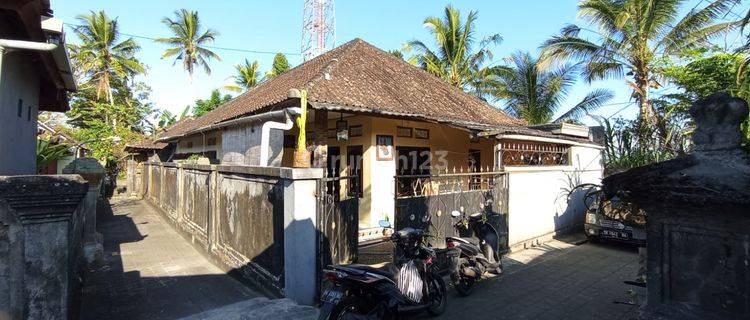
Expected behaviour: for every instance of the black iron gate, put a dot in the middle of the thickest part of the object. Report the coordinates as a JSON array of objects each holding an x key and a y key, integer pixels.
[
  {"x": 426, "y": 201},
  {"x": 338, "y": 220}
]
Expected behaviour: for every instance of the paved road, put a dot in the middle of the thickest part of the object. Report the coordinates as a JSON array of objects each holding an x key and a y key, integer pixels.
[
  {"x": 150, "y": 272},
  {"x": 555, "y": 281}
]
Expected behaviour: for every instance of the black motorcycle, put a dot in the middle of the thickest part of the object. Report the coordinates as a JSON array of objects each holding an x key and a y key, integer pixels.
[
  {"x": 365, "y": 292},
  {"x": 475, "y": 258}
]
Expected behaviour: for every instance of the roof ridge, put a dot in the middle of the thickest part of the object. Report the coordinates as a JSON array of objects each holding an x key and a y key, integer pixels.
[{"x": 331, "y": 64}]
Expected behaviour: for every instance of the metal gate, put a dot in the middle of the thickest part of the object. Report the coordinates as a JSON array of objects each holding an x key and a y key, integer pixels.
[
  {"x": 338, "y": 220},
  {"x": 426, "y": 202}
]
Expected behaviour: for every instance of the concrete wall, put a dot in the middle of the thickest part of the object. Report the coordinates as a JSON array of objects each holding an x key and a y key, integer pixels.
[
  {"x": 41, "y": 252},
  {"x": 240, "y": 145},
  {"x": 199, "y": 143},
  {"x": 20, "y": 86},
  {"x": 538, "y": 201},
  {"x": 256, "y": 221}
]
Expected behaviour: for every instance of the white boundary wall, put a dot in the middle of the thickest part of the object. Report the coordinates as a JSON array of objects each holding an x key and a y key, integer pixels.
[{"x": 538, "y": 197}]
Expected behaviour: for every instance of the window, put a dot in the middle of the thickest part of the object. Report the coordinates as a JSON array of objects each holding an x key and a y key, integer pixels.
[
  {"x": 28, "y": 113},
  {"x": 403, "y": 132},
  {"x": 211, "y": 141},
  {"x": 20, "y": 107},
  {"x": 421, "y": 133},
  {"x": 189, "y": 144},
  {"x": 355, "y": 131},
  {"x": 532, "y": 153},
  {"x": 354, "y": 166}
]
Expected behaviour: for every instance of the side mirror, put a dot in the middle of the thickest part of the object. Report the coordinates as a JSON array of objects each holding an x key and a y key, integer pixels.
[
  {"x": 455, "y": 214},
  {"x": 384, "y": 223}
]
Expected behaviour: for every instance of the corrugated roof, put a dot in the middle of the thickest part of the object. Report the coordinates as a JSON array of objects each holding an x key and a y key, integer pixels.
[{"x": 361, "y": 77}]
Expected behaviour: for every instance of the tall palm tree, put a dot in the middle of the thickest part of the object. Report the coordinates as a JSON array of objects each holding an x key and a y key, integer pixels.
[
  {"x": 535, "y": 92},
  {"x": 247, "y": 77},
  {"x": 100, "y": 59},
  {"x": 454, "y": 59},
  {"x": 630, "y": 35},
  {"x": 188, "y": 41}
]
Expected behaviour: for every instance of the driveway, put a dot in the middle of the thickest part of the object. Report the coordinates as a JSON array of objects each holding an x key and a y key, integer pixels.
[{"x": 558, "y": 280}]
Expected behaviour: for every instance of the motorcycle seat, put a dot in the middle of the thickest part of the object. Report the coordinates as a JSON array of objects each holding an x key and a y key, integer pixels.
[
  {"x": 463, "y": 240},
  {"x": 380, "y": 269}
]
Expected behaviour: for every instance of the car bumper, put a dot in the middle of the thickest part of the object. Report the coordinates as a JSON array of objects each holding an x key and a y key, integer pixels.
[{"x": 637, "y": 237}]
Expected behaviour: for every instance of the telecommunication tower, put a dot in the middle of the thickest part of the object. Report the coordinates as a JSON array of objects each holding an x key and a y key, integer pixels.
[{"x": 318, "y": 28}]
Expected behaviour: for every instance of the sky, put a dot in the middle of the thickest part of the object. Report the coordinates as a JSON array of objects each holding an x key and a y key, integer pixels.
[{"x": 276, "y": 26}]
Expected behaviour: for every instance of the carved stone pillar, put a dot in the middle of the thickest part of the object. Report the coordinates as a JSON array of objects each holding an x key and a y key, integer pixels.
[
  {"x": 698, "y": 211},
  {"x": 93, "y": 172},
  {"x": 40, "y": 246},
  {"x": 320, "y": 154}
]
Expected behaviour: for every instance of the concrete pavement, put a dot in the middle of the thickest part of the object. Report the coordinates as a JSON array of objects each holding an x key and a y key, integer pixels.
[{"x": 150, "y": 272}]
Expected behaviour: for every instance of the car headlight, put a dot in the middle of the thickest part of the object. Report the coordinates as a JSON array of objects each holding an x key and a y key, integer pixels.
[{"x": 591, "y": 218}]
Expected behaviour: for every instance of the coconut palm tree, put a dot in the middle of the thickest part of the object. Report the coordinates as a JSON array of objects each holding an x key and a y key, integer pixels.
[
  {"x": 535, "y": 92},
  {"x": 454, "y": 59},
  {"x": 629, "y": 35},
  {"x": 100, "y": 59},
  {"x": 247, "y": 77},
  {"x": 188, "y": 41}
]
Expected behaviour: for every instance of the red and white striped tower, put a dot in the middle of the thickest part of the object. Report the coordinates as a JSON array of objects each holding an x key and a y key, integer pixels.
[{"x": 318, "y": 28}]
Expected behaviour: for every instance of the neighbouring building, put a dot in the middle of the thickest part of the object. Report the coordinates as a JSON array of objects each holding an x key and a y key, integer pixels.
[
  {"x": 35, "y": 75},
  {"x": 75, "y": 149},
  {"x": 401, "y": 143}
]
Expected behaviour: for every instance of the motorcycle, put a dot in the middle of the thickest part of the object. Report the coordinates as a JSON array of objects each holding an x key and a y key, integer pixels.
[
  {"x": 475, "y": 258},
  {"x": 365, "y": 292}
]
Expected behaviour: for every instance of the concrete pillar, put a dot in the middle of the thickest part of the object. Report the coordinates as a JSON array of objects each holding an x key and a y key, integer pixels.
[
  {"x": 93, "y": 172},
  {"x": 40, "y": 245},
  {"x": 301, "y": 235},
  {"x": 320, "y": 154}
]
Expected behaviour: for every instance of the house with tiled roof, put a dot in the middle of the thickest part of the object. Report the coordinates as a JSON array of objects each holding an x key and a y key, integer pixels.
[{"x": 388, "y": 133}]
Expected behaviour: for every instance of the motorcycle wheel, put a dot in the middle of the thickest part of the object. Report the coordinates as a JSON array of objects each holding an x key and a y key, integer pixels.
[
  {"x": 463, "y": 286},
  {"x": 349, "y": 305},
  {"x": 438, "y": 296}
]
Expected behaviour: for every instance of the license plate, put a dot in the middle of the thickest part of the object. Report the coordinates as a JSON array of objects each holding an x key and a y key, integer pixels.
[
  {"x": 331, "y": 296},
  {"x": 616, "y": 234}
]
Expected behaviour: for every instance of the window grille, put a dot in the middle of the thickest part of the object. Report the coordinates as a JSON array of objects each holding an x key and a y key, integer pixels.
[{"x": 533, "y": 153}]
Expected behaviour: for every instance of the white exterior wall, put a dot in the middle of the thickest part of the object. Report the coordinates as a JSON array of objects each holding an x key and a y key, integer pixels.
[
  {"x": 537, "y": 198},
  {"x": 20, "y": 82},
  {"x": 241, "y": 145}
]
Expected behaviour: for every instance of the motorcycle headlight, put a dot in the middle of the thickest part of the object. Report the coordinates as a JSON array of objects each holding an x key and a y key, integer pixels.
[{"x": 591, "y": 218}]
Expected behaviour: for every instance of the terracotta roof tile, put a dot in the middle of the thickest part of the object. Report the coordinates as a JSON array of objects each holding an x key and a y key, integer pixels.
[{"x": 361, "y": 77}]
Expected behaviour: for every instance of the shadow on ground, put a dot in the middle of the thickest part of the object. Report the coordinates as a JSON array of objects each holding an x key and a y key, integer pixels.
[
  {"x": 556, "y": 280},
  {"x": 148, "y": 272}
]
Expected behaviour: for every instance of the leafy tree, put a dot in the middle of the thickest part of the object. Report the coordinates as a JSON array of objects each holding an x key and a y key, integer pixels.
[
  {"x": 109, "y": 109},
  {"x": 535, "y": 93},
  {"x": 247, "y": 77},
  {"x": 214, "y": 101},
  {"x": 630, "y": 35},
  {"x": 454, "y": 58},
  {"x": 279, "y": 66},
  {"x": 188, "y": 41},
  {"x": 100, "y": 59},
  {"x": 166, "y": 119},
  {"x": 710, "y": 70}
]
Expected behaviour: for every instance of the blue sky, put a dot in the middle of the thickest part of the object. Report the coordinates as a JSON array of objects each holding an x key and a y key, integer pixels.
[{"x": 276, "y": 26}]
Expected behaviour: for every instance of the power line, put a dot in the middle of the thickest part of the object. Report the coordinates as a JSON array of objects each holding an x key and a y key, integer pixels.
[{"x": 210, "y": 47}]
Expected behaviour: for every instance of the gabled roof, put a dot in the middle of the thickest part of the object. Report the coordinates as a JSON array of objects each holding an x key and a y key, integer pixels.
[{"x": 359, "y": 77}]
